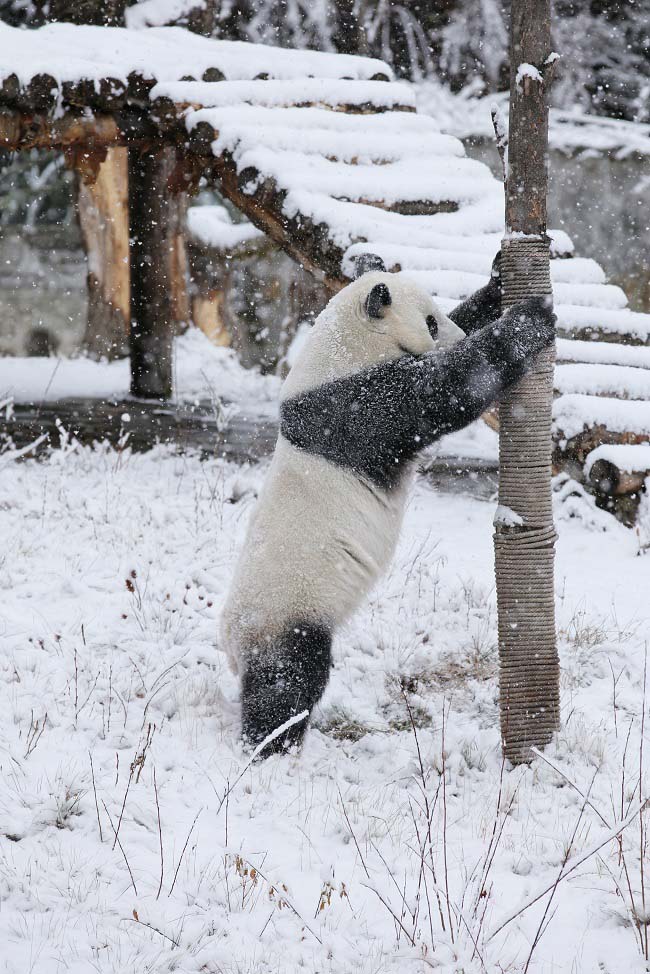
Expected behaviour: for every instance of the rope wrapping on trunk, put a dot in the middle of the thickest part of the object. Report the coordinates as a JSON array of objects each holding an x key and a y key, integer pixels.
[{"x": 524, "y": 553}]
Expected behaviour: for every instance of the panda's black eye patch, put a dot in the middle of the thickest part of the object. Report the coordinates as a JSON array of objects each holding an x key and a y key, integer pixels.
[
  {"x": 378, "y": 299},
  {"x": 432, "y": 325}
]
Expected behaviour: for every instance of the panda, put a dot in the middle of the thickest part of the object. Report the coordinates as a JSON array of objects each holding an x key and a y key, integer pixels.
[{"x": 382, "y": 375}]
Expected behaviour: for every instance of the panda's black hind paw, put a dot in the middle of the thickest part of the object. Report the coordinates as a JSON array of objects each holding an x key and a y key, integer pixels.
[
  {"x": 287, "y": 742},
  {"x": 281, "y": 682}
]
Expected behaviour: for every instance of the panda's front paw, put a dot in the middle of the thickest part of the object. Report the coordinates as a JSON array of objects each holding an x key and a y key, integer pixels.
[{"x": 534, "y": 322}]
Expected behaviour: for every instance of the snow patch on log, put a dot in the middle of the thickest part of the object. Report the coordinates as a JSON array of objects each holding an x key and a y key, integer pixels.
[
  {"x": 158, "y": 13},
  {"x": 213, "y": 227},
  {"x": 627, "y": 457}
]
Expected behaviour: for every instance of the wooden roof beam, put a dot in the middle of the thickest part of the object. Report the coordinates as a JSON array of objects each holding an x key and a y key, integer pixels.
[{"x": 21, "y": 131}]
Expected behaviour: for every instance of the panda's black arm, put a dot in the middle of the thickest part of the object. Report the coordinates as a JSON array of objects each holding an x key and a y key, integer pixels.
[
  {"x": 375, "y": 421},
  {"x": 482, "y": 307},
  {"x": 461, "y": 383}
]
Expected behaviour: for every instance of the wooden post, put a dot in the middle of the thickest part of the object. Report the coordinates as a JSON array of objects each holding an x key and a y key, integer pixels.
[
  {"x": 103, "y": 217},
  {"x": 151, "y": 333},
  {"x": 525, "y": 535},
  {"x": 102, "y": 13},
  {"x": 350, "y": 34}
]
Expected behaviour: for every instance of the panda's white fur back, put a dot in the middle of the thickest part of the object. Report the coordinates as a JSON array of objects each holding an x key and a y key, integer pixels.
[{"x": 317, "y": 541}]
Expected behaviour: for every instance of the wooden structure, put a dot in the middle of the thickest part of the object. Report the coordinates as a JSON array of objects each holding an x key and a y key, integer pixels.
[{"x": 327, "y": 156}]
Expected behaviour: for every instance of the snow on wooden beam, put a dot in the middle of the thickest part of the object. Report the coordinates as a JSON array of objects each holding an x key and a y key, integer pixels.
[
  {"x": 575, "y": 412},
  {"x": 65, "y": 54},
  {"x": 613, "y": 381},
  {"x": 307, "y": 242},
  {"x": 212, "y": 228},
  {"x": 603, "y": 353},
  {"x": 345, "y": 95}
]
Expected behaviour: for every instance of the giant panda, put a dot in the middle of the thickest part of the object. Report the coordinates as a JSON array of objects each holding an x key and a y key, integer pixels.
[{"x": 382, "y": 374}]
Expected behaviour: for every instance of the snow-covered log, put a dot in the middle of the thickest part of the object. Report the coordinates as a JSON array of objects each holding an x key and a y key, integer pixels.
[
  {"x": 613, "y": 381},
  {"x": 581, "y": 423},
  {"x": 618, "y": 469}
]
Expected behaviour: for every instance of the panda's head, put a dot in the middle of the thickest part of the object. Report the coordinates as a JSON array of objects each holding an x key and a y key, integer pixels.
[{"x": 378, "y": 317}]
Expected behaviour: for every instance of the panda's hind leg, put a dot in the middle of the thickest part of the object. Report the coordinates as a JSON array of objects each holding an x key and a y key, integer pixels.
[{"x": 281, "y": 680}]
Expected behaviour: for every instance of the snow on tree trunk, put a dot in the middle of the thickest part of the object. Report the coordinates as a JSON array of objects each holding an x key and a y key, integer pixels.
[{"x": 525, "y": 540}]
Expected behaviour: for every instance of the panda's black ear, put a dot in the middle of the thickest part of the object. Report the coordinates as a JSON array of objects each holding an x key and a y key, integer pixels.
[
  {"x": 378, "y": 299},
  {"x": 365, "y": 263}
]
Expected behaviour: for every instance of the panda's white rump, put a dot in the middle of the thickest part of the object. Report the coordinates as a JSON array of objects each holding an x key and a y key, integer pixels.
[{"x": 317, "y": 541}]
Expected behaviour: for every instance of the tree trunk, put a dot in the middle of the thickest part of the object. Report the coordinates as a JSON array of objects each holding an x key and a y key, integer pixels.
[
  {"x": 525, "y": 535},
  {"x": 102, "y": 13},
  {"x": 153, "y": 238},
  {"x": 202, "y": 19},
  {"x": 349, "y": 35},
  {"x": 103, "y": 217}
]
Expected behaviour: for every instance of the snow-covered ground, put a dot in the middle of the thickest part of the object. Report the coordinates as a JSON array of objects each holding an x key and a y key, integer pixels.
[
  {"x": 201, "y": 371},
  {"x": 394, "y": 841}
]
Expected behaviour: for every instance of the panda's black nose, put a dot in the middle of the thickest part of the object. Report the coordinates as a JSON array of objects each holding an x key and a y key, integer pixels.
[{"x": 432, "y": 325}]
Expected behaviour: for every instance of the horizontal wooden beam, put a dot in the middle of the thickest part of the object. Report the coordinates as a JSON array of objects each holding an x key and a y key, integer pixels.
[
  {"x": 187, "y": 425},
  {"x": 75, "y": 130},
  {"x": 19, "y": 132},
  {"x": 195, "y": 427},
  {"x": 152, "y": 125},
  {"x": 590, "y": 333},
  {"x": 44, "y": 94}
]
